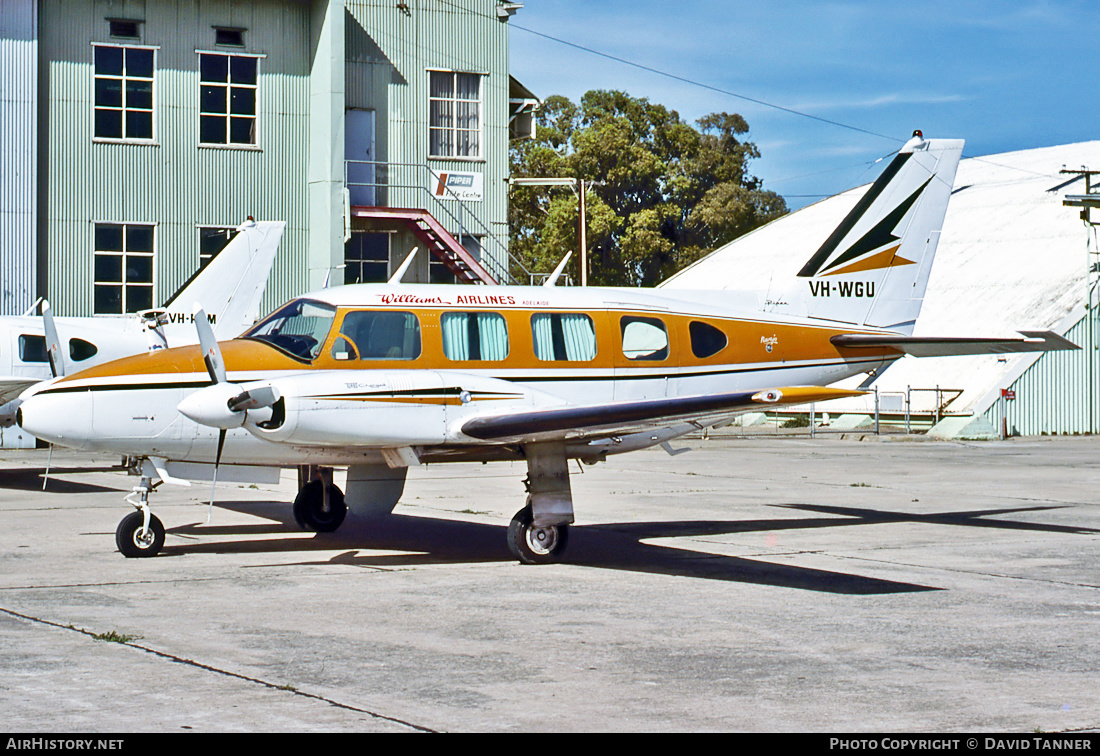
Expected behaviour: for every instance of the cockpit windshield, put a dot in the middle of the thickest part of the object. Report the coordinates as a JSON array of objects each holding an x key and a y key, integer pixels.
[{"x": 298, "y": 328}]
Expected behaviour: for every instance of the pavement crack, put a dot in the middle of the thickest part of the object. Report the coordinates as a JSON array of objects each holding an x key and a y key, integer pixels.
[{"x": 217, "y": 670}]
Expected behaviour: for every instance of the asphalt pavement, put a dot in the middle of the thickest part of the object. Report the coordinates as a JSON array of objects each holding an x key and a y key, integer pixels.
[{"x": 754, "y": 584}]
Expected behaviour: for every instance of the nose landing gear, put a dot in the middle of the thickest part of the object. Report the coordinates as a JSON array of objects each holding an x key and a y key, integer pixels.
[{"x": 140, "y": 534}]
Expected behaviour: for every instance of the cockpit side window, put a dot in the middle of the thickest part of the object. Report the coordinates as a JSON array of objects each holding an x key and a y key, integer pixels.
[
  {"x": 32, "y": 348},
  {"x": 298, "y": 328},
  {"x": 378, "y": 335}
]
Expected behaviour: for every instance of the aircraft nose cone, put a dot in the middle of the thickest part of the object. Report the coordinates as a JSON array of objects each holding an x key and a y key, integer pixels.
[{"x": 64, "y": 419}]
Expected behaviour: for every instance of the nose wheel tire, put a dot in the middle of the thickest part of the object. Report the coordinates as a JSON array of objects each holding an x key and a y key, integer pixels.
[
  {"x": 134, "y": 540},
  {"x": 309, "y": 508},
  {"x": 536, "y": 545}
]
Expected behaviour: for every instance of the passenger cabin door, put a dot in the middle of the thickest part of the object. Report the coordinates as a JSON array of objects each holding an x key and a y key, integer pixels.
[{"x": 644, "y": 356}]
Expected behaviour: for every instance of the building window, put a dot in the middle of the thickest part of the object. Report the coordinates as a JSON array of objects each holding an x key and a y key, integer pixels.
[
  {"x": 123, "y": 28},
  {"x": 227, "y": 98},
  {"x": 367, "y": 258},
  {"x": 454, "y": 127},
  {"x": 228, "y": 36},
  {"x": 212, "y": 241},
  {"x": 439, "y": 273},
  {"x": 123, "y": 268},
  {"x": 124, "y": 92}
]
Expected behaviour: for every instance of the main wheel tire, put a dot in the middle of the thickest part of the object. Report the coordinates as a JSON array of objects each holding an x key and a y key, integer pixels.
[
  {"x": 532, "y": 545},
  {"x": 309, "y": 508},
  {"x": 134, "y": 541}
]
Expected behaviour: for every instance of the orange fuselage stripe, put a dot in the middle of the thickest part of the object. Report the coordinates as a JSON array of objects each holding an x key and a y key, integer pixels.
[{"x": 748, "y": 342}]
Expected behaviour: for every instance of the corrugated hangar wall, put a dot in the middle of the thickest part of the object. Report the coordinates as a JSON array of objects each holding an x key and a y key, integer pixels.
[
  {"x": 18, "y": 105},
  {"x": 1058, "y": 393}
]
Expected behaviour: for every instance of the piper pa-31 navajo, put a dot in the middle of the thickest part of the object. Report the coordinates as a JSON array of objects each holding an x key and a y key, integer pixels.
[
  {"x": 382, "y": 377},
  {"x": 231, "y": 285}
]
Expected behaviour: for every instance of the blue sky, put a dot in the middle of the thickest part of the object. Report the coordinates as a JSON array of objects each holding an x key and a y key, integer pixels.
[{"x": 1003, "y": 75}]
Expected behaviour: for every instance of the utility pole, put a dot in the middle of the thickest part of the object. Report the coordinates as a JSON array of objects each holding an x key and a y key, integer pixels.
[
  {"x": 580, "y": 186},
  {"x": 1087, "y": 202}
]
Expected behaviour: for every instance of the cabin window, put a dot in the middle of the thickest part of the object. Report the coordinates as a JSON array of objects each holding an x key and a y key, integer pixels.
[
  {"x": 80, "y": 350},
  {"x": 227, "y": 98},
  {"x": 378, "y": 335},
  {"x": 569, "y": 336},
  {"x": 299, "y": 328},
  {"x": 644, "y": 338},
  {"x": 123, "y": 92},
  {"x": 32, "y": 348},
  {"x": 706, "y": 340},
  {"x": 474, "y": 336}
]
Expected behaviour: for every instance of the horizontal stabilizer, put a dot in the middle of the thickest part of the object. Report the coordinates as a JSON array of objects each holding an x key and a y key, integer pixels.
[
  {"x": 945, "y": 346},
  {"x": 603, "y": 419}
]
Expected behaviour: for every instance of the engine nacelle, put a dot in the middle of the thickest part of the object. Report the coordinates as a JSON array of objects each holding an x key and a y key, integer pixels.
[
  {"x": 210, "y": 406},
  {"x": 383, "y": 409},
  {"x": 364, "y": 408}
]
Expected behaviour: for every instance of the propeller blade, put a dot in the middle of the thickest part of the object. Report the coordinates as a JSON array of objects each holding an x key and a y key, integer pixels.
[
  {"x": 214, "y": 482},
  {"x": 53, "y": 343},
  {"x": 211, "y": 352}
]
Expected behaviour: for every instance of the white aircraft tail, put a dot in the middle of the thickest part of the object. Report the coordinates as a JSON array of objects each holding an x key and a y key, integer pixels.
[
  {"x": 231, "y": 285},
  {"x": 873, "y": 270}
]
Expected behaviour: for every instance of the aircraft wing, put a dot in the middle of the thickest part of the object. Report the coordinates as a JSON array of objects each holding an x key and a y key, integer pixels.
[
  {"x": 12, "y": 386},
  {"x": 594, "y": 420},
  {"x": 933, "y": 346}
]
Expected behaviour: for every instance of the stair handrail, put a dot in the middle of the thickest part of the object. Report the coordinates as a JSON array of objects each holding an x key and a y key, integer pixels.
[{"x": 498, "y": 265}]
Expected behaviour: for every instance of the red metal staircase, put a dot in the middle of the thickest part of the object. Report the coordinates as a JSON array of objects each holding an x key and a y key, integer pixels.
[{"x": 435, "y": 238}]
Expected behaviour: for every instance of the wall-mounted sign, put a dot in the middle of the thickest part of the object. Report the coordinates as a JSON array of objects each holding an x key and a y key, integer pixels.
[{"x": 463, "y": 185}]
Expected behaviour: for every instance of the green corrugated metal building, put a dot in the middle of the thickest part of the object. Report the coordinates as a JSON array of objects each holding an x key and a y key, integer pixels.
[{"x": 161, "y": 125}]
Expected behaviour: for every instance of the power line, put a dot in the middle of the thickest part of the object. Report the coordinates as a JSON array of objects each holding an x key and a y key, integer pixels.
[{"x": 703, "y": 85}]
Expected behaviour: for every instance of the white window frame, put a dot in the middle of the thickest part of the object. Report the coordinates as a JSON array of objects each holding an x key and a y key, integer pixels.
[
  {"x": 204, "y": 259},
  {"x": 453, "y": 102},
  {"x": 123, "y": 254},
  {"x": 229, "y": 145},
  {"x": 152, "y": 109}
]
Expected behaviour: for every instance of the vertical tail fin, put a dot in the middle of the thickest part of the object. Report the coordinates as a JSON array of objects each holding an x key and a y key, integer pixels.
[
  {"x": 231, "y": 285},
  {"x": 873, "y": 270}
]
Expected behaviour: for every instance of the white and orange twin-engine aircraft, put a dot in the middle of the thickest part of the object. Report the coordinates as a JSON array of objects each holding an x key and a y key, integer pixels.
[{"x": 383, "y": 377}]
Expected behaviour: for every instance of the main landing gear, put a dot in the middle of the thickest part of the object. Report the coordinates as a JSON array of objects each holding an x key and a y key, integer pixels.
[
  {"x": 320, "y": 507},
  {"x": 535, "y": 544},
  {"x": 539, "y": 532}
]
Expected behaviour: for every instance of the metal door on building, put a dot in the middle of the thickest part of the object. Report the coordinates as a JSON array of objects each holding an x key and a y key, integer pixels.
[{"x": 359, "y": 156}]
